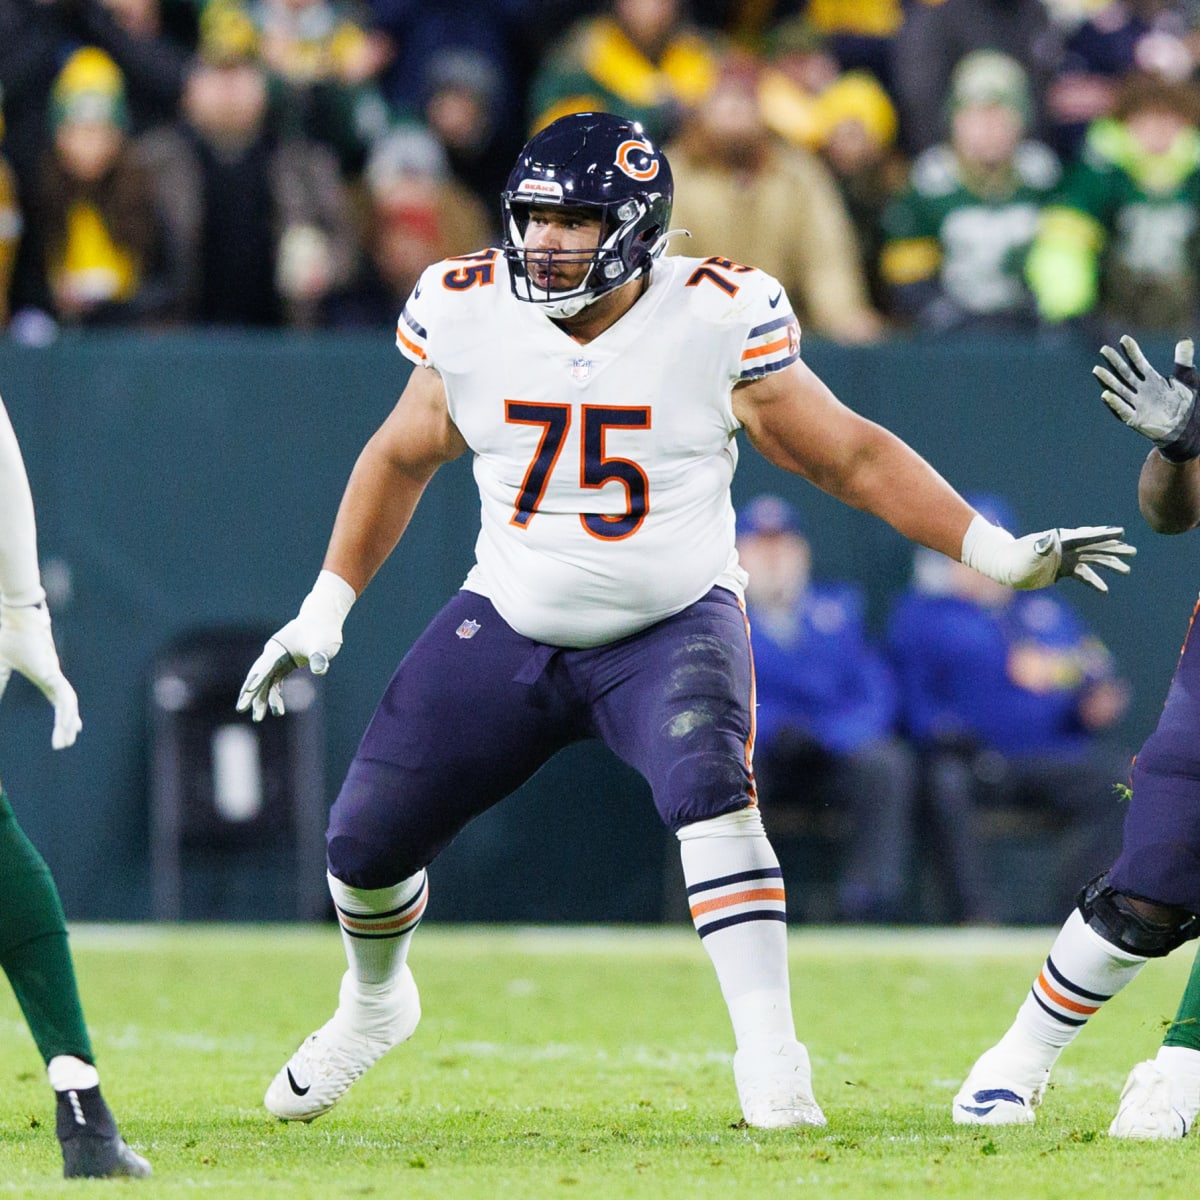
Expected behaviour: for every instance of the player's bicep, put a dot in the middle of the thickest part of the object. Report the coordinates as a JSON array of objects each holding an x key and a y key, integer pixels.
[
  {"x": 797, "y": 423},
  {"x": 419, "y": 433}
]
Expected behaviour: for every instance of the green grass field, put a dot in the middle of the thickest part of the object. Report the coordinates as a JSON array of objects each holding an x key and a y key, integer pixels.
[{"x": 583, "y": 1063}]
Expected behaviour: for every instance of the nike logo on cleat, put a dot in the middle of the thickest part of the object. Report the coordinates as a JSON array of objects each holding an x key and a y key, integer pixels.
[
  {"x": 774, "y": 300},
  {"x": 982, "y": 1107},
  {"x": 300, "y": 1091}
]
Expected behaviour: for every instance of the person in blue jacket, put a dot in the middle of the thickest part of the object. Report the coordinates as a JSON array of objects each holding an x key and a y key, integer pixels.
[
  {"x": 1006, "y": 694},
  {"x": 827, "y": 705}
]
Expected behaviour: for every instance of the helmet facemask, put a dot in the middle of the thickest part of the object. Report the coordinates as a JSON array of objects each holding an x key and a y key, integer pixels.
[{"x": 626, "y": 250}]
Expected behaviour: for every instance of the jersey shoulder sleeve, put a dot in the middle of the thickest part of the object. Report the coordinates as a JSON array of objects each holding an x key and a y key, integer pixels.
[
  {"x": 412, "y": 332},
  {"x": 446, "y": 297},
  {"x": 748, "y": 306},
  {"x": 771, "y": 340}
]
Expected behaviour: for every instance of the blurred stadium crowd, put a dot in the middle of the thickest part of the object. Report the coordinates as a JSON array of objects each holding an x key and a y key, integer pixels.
[{"x": 929, "y": 164}]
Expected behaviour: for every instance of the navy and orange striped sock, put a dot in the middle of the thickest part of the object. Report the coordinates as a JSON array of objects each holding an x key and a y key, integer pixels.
[
  {"x": 377, "y": 925},
  {"x": 1081, "y": 973},
  {"x": 736, "y": 896}
]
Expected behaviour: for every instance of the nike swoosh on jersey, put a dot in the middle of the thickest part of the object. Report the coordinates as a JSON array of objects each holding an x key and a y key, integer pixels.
[{"x": 300, "y": 1091}]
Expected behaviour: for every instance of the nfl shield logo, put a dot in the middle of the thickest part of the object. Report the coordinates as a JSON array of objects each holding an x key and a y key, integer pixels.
[
  {"x": 581, "y": 369},
  {"x": 468, "y": 629}
]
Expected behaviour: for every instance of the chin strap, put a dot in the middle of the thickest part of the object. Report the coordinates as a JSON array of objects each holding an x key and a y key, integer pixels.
[{"x": 564, "y": 310}]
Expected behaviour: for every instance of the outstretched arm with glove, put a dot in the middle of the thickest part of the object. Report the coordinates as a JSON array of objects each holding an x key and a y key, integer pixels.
[
  {"x": 381, "y": 495},
  {"x": 1164, "y": 411},
  {"x": 26, "y": 640},
  {"x": 797, "y": 423}
]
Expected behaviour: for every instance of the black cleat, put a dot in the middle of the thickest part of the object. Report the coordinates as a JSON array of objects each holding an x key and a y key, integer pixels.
[{"x": 91, "y": 1146}]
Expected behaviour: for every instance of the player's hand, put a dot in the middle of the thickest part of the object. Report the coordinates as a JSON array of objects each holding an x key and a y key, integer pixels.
[
  {"x": 312, "y": 638},
  {"x": 1058, "y": 553},
  {"x": 1157, "y": 407},
  {"x": 1040, "y": 559},
  {"x": 27, "y": 646}
]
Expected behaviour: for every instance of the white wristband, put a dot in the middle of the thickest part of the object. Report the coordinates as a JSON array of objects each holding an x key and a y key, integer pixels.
[
  {"x": 331, "y": 596},
  {"x": 986, "y": 548},
  {"x": 30, "y": 598}
]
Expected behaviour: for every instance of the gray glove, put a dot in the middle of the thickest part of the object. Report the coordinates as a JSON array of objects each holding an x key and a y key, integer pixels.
[
  {"x": 1039, "y": 559},
  {"x": 1161, "y": 409},
  {"x": 1077, "y": 548}
]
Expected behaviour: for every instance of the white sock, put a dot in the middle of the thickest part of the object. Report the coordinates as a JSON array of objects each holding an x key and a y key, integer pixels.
[
  {"x": 735, "y": 891},
  {"x": 1082, "y": 972},
  {"x": 70, "y": 1074},
  {"x": 377, "y": 925}
]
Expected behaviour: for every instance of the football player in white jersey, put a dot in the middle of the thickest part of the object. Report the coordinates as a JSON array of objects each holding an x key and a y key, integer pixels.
[{"x": 600, "y": 389}]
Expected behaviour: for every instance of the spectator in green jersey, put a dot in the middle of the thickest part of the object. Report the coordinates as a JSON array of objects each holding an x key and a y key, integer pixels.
[
  {"x": 640, "y": 58},
  {"x": 956, "y": 238},
  {"x": 1121, "y": 240}
]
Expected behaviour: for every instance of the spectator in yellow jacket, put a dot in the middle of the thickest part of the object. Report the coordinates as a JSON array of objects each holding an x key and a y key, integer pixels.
[{"x": 742, "y": 193}]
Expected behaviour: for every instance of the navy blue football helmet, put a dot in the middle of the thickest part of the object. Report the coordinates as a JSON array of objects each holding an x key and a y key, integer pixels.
[{"x": 599, "y": 162}]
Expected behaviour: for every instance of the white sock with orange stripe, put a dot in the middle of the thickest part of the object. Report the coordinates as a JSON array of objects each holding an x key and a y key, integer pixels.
[
  {"x": 377, "y": 925},
  {"x": 735, "y": 891},
  {"x": 1081, "y": 973}
]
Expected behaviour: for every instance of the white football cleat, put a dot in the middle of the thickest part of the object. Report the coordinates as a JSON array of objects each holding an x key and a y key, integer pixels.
[
  {"x": 774, "y": 1086},
  {"x": 1156, "y": 1105},
  {"x": 996, "y": 1093},
  {"x": 356, "y": 1037}
]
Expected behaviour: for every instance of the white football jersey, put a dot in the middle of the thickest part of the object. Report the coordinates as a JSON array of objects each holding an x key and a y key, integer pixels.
[{"x": 603, "y": 469}]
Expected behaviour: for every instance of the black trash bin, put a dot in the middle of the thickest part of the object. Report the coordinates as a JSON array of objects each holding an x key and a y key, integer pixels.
[{"x": 237, "y": 809}]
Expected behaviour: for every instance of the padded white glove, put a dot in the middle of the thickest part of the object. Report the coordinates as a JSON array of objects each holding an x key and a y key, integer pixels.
[
  {"x": 27, "y": 645},
  {"x": 1158, "y": 408},
  {"x": 311, "y": 639},
  {"x": 1039, "y": 559}
]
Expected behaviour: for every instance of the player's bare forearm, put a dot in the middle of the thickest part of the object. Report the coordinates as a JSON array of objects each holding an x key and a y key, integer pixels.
[
  {"x": 797, "y": 423},
  {"x": 375, "y": 511},
  {"x": 891, "y": 480},
  {"x": 388, "y": 479},
  {"x": 1169, "y": 493}
]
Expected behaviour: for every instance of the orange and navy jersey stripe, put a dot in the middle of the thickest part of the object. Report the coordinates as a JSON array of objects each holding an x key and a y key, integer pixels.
[
  {"x": 411, "y": 338},
  {"x": 1065, "y": 1001},
  {"x": 770, "y": 347},
  {"x": 390, "y": 924},
  {"x": 750, "y": 739},
  {"x": 755, "y": 895}
]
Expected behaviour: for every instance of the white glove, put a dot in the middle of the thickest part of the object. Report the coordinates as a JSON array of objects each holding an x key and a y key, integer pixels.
[
  {"x": 1039, "y": 559},
  {"x": 1158, "y": 408},
  {"x": 27, "y": 645},
  {"x": 312, "y": 638}
]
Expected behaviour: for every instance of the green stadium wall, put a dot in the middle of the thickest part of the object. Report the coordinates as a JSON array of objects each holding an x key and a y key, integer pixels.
[{"x": 190, "y": 480}]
